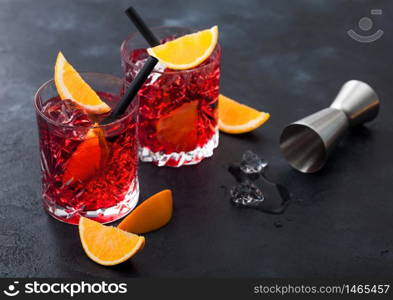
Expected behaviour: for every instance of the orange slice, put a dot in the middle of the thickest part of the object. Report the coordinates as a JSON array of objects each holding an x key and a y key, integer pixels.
[
  {"x": 177, "y": 129},
  {"x": 88, "y": 158},
  {"x": 107, "y": 245},
  {"x": 236, "y": 118},
  {"x": 70, "y": 85},
  {"x": 188, "y": 51},
  {"x": 152, "y": 214}
]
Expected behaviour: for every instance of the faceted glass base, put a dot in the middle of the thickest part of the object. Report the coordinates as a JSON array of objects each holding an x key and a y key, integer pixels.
[
  {"x": 103, "y": 215},
  {"x": 178, "y": 159}
]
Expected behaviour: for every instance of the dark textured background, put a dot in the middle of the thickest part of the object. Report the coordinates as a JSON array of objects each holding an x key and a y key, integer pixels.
[{"x": 286, "y": 57}]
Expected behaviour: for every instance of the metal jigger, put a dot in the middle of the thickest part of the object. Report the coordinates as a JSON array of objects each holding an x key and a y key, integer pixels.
[{"x": 307, "y": 143}]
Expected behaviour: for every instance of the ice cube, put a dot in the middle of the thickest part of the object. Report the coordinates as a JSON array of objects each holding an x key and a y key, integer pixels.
[
  {"x": 135, "y": 68},
  {"x": 157, "y": 71},
  {"x": 155, "y": 74},
  {"x": 247, "y": 194},
  {"x": 252, "y": 181},
  {"x": 65, "y": 112},
  {"x": 251, "y": 163},
  {"x": 159, "y": 67}
]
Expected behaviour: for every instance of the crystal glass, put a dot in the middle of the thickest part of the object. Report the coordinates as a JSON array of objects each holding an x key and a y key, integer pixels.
[
  {"x": 87, "y": 169},
  {"x": 178, "y": 108}
]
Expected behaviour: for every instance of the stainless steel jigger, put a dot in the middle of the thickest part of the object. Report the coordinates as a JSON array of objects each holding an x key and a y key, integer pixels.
[{"x": 307, "y": 143}]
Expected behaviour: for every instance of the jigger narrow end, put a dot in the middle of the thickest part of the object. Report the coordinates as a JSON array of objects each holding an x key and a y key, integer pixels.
[{"x": 358, "y": 100}]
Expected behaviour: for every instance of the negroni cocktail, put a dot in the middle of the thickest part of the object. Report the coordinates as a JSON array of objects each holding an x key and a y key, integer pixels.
[
  {"x": 178, "y": 108},
  {"x": 87, "y": 169}
]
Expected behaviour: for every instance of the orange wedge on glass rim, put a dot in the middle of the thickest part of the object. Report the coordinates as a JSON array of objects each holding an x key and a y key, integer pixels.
[
  {"x": 188, "y": 51},
  {"x": 70, "y": 85},
  {"x": 92, "y": 153},
  {"x": 107, "y": 245},
  {"x": 152, "y": 214},
  {"x": 237, "y": 118}
]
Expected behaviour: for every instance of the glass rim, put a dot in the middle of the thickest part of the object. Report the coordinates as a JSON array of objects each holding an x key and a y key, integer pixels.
[
  {"x": 136, "y": 33},
  {"x": 49, "y": 82}
]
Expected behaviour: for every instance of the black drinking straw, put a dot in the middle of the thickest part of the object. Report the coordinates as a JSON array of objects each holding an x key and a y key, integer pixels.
[
  {"x": 133, "y": 89},
  {"x": 148, "y": 67},
  {"x": 142, "y": 27},
  {"x": 136, "y": 84}
]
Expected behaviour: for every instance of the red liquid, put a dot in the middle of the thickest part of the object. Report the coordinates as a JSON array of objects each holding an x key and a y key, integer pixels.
[
  {"x": 178, "y": 110},
  {"x": 108, "y": 184}
]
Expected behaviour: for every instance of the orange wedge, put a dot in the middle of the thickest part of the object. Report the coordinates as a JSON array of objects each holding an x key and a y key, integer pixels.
[
  {"x": 107, "y": 245},
  {"x": 88, "y": 158},
  {"x": 188, "y": 51},
  {"x": 152, "y": 214},
  {"x": 236, "y": 118},
  {"x": 178, "y": 127},
  {"x": 70, "y": 85}
]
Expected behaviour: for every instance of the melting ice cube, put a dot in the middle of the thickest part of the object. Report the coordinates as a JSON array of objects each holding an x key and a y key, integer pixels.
[
  {"x": 155, "y": 74},
  {"x": 251, "y": 163},
  {"x": 159, "y": 68},
  {"x": 247, "y": 194},
  {"x": 252, "y": 181}
]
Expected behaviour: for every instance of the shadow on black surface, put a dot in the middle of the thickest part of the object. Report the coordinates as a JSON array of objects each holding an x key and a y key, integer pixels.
[
  {"x": 128, "y": 267},
  {"x": 249, "y": 137},
  {"x": 360, "y": 131},
  {"x": 344, "y": 158}
]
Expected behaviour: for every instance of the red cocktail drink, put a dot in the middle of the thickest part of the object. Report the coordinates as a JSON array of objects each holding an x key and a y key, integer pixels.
[
  {"x": 87, "y": 169},
  {"x": 178, "y": 109}
]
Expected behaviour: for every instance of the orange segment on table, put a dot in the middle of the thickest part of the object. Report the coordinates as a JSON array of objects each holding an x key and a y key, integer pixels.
[
  {"x": 107, "y": 245},
  {"x": 236, "y": 118},
  {"x": 152, "y": 214}
]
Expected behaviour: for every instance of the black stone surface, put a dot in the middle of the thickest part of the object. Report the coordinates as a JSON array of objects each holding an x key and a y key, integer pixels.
[{"x": 286, "y": 57}]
